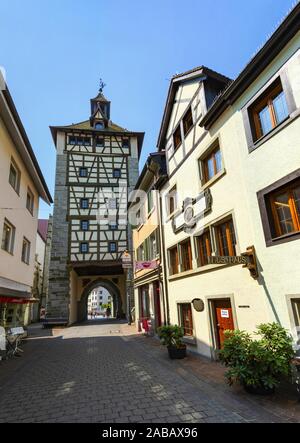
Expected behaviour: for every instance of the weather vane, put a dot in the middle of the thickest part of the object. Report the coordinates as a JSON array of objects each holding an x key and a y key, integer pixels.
[{"x": 101, "y": 85}]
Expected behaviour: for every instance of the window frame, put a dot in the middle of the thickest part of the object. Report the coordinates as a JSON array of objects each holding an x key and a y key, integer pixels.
[
  {"x": 25, "y": 257},
  {"x": 208, "y": 244},
  {"x": 80, "y": 247},
  {"x": 109, "y": 247},
  {"x": 283, "y": 77},
  {"x": 10, "y": 250},
  {"x": 17, "y": 185},
  {"x": 189, "y": 255},
  {"x": 31, "y": 195},
  {"x": 182, "y": 322},
  {"x": 177, "y": 131},
  {"x": 174, "y": 198},
  {"x": 203, "y": 161},
  {"x": 266, "y": 211},
  {"x": 81, "y": 203},
  {"x": 189, "y": 112},
  {"x": 81, "y": 225},
  {"x": 119, "y": 171},
  {"x": 231, "y": 243},
  {"x": 81, "y": 169},
  {"x": 171, "y": 266}
]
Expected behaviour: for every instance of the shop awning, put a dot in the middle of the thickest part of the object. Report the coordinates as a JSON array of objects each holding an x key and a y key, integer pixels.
[{"x": 18, "y": 301}]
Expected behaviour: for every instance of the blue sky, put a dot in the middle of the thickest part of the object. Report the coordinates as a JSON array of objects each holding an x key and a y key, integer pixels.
[{"x": 55, "y": 51}]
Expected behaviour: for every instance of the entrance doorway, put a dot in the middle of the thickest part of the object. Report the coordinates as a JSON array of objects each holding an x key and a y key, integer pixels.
[
  {"x": 222, "y": 320},
  {"x": 156, "y": 289}
]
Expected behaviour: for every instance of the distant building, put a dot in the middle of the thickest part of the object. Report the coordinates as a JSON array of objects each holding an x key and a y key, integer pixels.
[
  {"x": 21, "y": 186},
  {"x": 97, "y": 300}
]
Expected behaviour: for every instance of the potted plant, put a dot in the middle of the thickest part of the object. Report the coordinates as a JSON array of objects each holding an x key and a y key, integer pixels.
[
  {"x": 171, "y": 336},
  {"x": 258, "y": 365}
]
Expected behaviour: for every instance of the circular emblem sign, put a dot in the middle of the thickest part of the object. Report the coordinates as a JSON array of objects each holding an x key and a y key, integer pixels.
[{"x": 198, "y": 305}]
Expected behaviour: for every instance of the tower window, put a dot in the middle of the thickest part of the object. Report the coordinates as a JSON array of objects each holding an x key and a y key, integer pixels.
[
  {"x": 117, "y": 173},
  {"x": 112, "y": 246},
  {"x": 84, "y": 248},
  {"x": 83, "y": 172},
  {"x": 84, "y": 203},
  {"x": 85, "y": 224},
  {"x": 100, "y": 142}
]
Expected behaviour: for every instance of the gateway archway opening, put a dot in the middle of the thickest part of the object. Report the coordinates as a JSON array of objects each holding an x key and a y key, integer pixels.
[
  {"x": 89, "y": 306},
  {"x": 100, "y": 304}
]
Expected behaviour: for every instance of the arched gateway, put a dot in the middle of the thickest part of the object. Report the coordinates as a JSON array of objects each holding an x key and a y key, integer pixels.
[{"x": 111, "y": 287}]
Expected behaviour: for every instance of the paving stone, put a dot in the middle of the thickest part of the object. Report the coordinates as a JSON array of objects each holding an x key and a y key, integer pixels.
[{"x": 94, "y": 376}]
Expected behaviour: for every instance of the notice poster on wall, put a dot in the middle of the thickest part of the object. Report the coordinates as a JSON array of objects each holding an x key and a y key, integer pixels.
[{"x": 224, "y": 313}]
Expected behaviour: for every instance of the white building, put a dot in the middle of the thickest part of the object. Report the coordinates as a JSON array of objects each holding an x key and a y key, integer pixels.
[
  {"x": 234, "y": 182},
  {"x": 98, "y": 298}
]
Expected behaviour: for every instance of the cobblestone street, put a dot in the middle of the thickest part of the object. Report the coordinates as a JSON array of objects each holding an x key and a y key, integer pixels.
[{"x": 103, "y": 372}]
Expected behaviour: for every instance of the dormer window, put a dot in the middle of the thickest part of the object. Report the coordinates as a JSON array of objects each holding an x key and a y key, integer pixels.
[{"x": 99, "y": 125}]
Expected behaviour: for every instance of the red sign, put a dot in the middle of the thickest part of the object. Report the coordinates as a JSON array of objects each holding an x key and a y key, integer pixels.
[{"x": 145, "y": 265}]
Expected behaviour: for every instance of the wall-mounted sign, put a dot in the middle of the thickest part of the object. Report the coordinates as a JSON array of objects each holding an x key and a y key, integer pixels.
[
  {"x": 223, "y": 260},
  {"x": 224, "y": 313},
  {"x": 193, "y": 209},
  {"x": 247, "y": 259},
  {"x": 198, "y": 304},
  {"x": 146, "y": 265}
]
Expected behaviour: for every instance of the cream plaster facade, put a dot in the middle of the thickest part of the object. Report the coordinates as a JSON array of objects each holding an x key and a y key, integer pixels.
[{"x": 234, "y": 192}]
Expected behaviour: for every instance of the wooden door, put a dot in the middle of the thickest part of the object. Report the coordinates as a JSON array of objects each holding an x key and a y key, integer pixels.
[{"x": 224, "y": 319}]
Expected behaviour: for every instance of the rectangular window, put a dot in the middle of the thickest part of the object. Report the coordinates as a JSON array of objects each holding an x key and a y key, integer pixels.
[
  {"x": 29, "y": 201},
  {"x": 150, "y": 202},
  {"x": 174, "y": 262},
  {"x": 204, "y": 248},
  {"x": 187, "y": 122},
  {"x": 85, "y": 225},
  {"x": 83, "y": 172},
  {"x": 112, "y": 247},
  {"x": 113, "y": 226},
  {"x": 111, "y": 203},
  {"x": 285, "y": 205},
  {"x": 152, "y": 247},
  {"x": 84, "y": 203},
  {"x": 212, "y": 164},
  {"x": 8, "y": 237},
  {"x": 99, "y": 142},
  {"x": 14, "y": 176},
  {"x": 72, "y": 140},
  {"x": 84, "y": 248},
  {"x": 172, "y": 201},
  {"x": 177, "y": 138},
  {"x": 186, "y": 318},
  {"x": 26, "y": 251},
  {"x": 186, "y": 256},
  {"x": 80, "y": 141},
  {"x": 125, "y": 143},
  {"x": 117, "y": 173},
  {"x": 226, "y": 240},
  {"x": 87, "y": 141},
  {"x": 269, "y": 110}
]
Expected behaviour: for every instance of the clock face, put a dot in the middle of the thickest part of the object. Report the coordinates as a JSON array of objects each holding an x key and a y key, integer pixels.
[{"x": 189, "y": 214}]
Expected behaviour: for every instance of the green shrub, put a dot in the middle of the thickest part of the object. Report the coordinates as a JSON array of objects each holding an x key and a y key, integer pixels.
[
  {"x": 258, "y": 363},
  {"x": 171, "y": 335}
]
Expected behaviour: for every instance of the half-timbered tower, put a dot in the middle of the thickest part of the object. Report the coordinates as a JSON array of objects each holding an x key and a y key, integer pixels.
[{"x": 97, "y": 162}]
